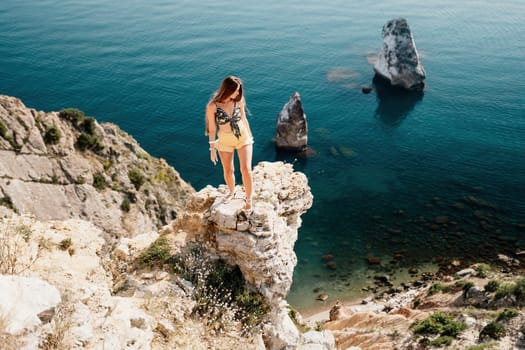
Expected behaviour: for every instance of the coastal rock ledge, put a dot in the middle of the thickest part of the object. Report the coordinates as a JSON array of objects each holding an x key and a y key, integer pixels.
[{"x": 261, "y": 244}]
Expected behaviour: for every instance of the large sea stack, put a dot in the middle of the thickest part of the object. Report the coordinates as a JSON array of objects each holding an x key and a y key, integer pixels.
[
  {"x": 292, "y": 128},
  {"x": 398, "y": 61}
]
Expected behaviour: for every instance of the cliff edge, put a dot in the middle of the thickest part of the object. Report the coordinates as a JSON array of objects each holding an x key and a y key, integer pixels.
[{"x": 62, "y": 165}]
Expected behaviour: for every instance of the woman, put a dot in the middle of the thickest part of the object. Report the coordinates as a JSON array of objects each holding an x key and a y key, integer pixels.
[{"x": 226, "y": 118}]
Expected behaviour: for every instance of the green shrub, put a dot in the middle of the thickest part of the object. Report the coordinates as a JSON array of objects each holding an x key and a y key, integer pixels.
[
  {"x": 492, "y": 286},
  {"x": 73, "y": 115},
  {"x": 303, "y": 328},
  {"x": 466, "y": 288},
  {"x": 80, "y": 180},
  {"x": 485, "y": 346},
  {"x": 439, "y": 323},
  {"x": 52, "y": 135},
  {"x": 143, "y": 155},
  {"x": 99, "y": 181},
  {"x": 438, "y": 287},
  {"x": 441, "y": 341},
  {"x": 482, "y": 270},
  {"x": 507, "y": 314},
  {"x": 516, "y": 288},
  {"x": 156, "y": 253},
  {"x": 3, "y": 129},
  {"x": 459, "y": 285},
  {"x": 125, "y": 205},
  {"x": 254, "y": 307},
  {"x": 493, "y": 330},
  {"x": 425, "y": 342},
  {"x": 86, "y": 141},
  {"x": 519, "y": 291},
  {"x": 88, "y": 126},
  {"x": 136, "y": 177},
  {"x": 505, "y": 290},
  {"x": 16, "y": 146},
  {"x": 220, "y": 292}
]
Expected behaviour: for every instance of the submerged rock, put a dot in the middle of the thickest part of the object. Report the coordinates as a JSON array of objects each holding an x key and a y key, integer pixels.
[
  {"x": 398, "y": 61},
  {"x": 292, "y": 128},
  {"x": 322, "y": 297}
]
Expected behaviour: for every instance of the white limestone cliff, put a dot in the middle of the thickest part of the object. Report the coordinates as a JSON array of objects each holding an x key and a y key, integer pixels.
[
  {"x": 58, "y": 231},
  {"x": 262, "y": 243},
  {"x": 55, "y": 180}
]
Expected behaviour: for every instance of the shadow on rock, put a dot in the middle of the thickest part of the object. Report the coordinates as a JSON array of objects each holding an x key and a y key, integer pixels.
[{"x": 394, "y": 103}]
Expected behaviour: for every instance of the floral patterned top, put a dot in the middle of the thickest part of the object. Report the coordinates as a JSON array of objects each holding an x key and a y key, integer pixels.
[{"x": 221, "y": 117}]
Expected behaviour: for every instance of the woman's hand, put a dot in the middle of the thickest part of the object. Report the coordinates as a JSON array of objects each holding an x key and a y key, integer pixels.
[
  {"x": 213, "y": 151},
  {"x": 213, "y": 155}
]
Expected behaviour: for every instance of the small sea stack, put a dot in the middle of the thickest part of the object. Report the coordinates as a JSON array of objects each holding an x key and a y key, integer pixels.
[
  {"x": 292, "y": 128},
  {"x": 398, "y": 61}
]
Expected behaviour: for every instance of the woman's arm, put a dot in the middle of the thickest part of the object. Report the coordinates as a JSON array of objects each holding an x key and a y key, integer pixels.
[
  {"x": 243, "y": 117},
  {"x": 212, "y": 131},
  {"x": 210, "y": 118}
]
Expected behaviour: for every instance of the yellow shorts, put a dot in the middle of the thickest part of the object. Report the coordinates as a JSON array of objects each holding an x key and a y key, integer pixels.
[{"x": 228, "y": 142}]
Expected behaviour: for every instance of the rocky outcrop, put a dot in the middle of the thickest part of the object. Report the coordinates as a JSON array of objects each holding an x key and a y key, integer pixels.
[
  {"x": 84, "y": 314},
  {"x": 474, "y": 301},
  {"x": 261, "y": 244},
  {"x": 398, "y": 61},
  {"x": 66, "y": 166},
  {"x": 114, "y": 305},
  {"x": 58, "y": 166},
  {"x": 292, "y": 128},
  {"x": 23, "y": 300}
]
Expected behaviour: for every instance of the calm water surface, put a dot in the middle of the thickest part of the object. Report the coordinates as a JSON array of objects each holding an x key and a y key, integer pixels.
[{"x": 385, "y": 166}]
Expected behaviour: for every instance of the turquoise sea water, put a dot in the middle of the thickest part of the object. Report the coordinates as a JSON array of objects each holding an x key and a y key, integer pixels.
[{"x": 385, "y": 165}]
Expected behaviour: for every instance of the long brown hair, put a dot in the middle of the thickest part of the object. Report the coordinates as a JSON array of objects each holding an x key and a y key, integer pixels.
[{"x": 227, "y": 88}]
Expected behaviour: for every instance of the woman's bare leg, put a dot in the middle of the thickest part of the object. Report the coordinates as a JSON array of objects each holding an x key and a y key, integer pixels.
[
  {"x": 228, "y": 169},
  {"x": 245, "y": 160}
]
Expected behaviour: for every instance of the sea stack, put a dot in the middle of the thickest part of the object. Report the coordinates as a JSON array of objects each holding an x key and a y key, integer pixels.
[
  {"x": 292, "y": 128},
  {"x": 398, "y": 61}
]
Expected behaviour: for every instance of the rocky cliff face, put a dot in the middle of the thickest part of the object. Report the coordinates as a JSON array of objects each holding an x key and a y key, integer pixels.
[
  {"x": 65, "y": 165},
  {"x": 68, "y": 296},
  {"x": 68, "y": 185}
]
